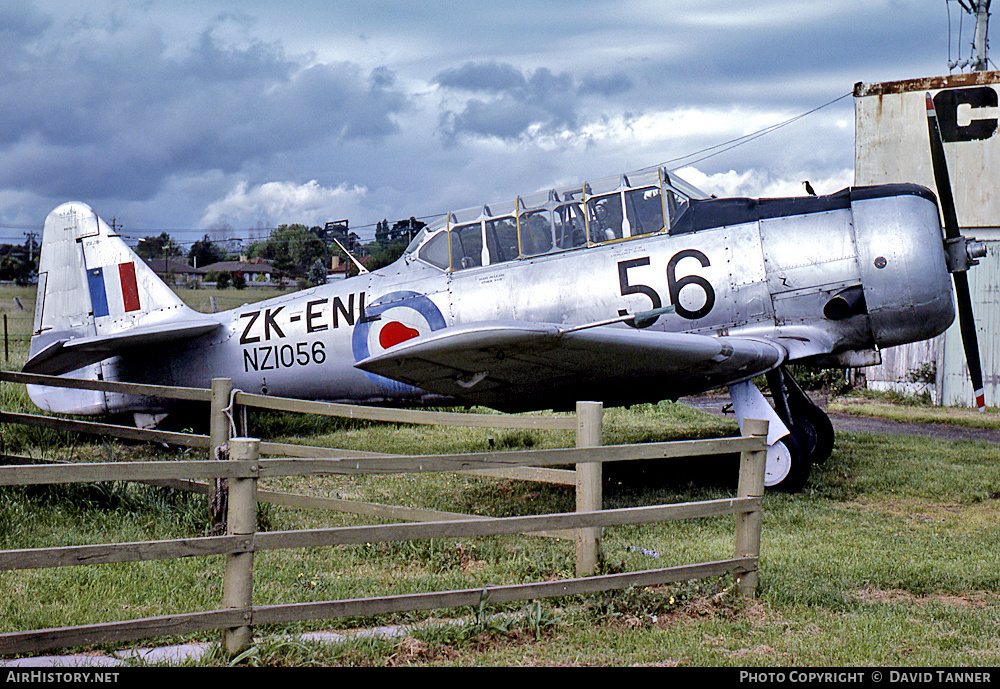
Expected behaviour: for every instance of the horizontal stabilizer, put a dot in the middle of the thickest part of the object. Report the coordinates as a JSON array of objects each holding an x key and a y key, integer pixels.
[{"x": 69, "y": 354}]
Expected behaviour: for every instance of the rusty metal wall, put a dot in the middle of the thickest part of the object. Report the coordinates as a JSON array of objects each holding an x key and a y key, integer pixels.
[
  {"x": 891, "y": 142},
  {"x": 891, "y": 145}
]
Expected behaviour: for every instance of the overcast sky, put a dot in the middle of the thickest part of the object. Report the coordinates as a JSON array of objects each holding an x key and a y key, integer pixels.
[{"x": 220, "y": 116}]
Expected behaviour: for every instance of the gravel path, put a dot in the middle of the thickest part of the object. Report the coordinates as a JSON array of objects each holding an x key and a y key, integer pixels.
[{"x": 851, "y": 423}]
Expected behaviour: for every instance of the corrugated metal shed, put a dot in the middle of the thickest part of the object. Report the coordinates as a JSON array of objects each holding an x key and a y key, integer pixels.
[
  {"x": 984, "y": 284},
  {"x": 891, "y": 145}
]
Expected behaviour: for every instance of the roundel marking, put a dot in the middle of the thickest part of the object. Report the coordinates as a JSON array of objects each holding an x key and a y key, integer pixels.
[
  {"x": 394, "y": 332},
  {"x": 390, "y": 320}
]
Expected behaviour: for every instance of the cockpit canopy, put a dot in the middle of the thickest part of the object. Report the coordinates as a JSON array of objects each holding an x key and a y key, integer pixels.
[{"x": 605, "y": 210}]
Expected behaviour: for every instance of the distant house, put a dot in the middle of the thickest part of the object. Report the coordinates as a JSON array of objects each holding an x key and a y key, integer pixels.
[
  {"x": 175, "y": 271},
  {"x": 337, "y": 270},
  {"x": 254, "y": 270}
]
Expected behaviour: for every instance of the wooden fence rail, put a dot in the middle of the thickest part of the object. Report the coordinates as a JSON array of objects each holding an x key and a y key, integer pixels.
[{"x": 237, "y": 459}]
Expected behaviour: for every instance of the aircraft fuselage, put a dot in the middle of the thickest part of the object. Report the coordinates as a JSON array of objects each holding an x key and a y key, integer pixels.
[{"x": 830, "y": 279}]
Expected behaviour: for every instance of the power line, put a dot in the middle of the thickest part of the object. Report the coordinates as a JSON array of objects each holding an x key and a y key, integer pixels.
[{"x": 741, "y": 140}]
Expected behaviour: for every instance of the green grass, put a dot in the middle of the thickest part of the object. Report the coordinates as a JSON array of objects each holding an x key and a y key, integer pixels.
[
  {"x": 888, "y": 557},
  {"x": 897, "y": 408},
  {"x": 225, "y": 299},
  {"x": 18, "y": 305}
]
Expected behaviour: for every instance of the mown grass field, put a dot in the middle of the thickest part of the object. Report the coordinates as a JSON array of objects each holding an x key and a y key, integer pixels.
[{"x": 889, "y": 558}]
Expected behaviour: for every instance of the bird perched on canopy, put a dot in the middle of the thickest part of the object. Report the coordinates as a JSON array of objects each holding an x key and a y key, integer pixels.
[{"x": 809, "y": 188}]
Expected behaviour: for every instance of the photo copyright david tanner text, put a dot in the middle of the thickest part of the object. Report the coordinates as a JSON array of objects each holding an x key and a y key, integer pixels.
[{"x": 859, "y": 676}]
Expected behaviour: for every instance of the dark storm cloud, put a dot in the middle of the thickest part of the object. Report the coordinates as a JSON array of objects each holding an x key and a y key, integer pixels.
[
  {"x": 19, "y": 21},
  {"x": 509, "y": 102},
  {"x": 483, "y": 76},
  {"x": 102, "y": 111},
  {"x": 607, "y": 86}
]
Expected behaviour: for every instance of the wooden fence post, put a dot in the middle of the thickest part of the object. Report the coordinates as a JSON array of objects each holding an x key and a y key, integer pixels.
[
  {"x": 237, "y": 588},
  {"x": 589, "y": 494},
  {"x": 219, "y": 432},
  {"x": 748, "y": 524}
]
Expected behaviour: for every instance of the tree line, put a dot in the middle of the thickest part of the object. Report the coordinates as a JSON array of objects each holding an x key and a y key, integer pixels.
[
  {"x": 296, "y": 251},
  {"x": 19, "y": 262}
]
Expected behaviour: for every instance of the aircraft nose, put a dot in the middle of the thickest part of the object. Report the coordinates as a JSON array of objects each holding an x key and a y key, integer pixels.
[{"x": 904, "y": 268}]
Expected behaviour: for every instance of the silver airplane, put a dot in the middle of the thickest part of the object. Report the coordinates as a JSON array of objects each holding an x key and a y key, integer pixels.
[{"x": 631, "y": 289}]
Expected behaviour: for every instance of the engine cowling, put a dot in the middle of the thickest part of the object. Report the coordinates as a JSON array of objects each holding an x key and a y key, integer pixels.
[{"x": 904, "y": 271}]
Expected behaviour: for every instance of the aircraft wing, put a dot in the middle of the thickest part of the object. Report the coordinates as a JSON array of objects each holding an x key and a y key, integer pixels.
[
  {"x": 514, "y": 365},
  {"x": 68, "y": 354}
]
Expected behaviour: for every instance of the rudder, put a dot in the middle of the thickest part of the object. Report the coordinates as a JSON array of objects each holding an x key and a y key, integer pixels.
[{"x": 90, "y": 285}]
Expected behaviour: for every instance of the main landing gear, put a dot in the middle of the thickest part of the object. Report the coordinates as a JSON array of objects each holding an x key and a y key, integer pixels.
[
  {"x": 799, "y": 432},
  {"x": 809, "y": 424}
]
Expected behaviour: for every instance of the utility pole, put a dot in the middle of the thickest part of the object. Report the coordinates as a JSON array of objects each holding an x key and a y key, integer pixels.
[
  {"x": 31, "y": 245},
  {"x": 982, "y": 8}
]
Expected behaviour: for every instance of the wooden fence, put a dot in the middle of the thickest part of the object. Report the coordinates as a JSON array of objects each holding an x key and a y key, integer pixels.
[{"x": 238, "y": 459}]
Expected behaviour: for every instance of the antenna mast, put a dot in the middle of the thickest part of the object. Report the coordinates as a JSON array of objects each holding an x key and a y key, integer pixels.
[
  {"x": 982, "y": 20},
  {"x": 980, "y": 9}
]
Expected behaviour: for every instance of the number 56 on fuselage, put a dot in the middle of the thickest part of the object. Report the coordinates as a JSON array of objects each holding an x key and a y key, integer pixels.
[{"x": 626, "y": 290}]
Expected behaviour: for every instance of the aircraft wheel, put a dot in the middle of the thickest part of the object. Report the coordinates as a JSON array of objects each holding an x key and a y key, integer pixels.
[
  {"x": 813, "y": 432},
  {"x": 787, "y": 467}
]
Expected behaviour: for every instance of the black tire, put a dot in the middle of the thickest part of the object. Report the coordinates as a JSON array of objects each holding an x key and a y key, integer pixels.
[{"x": 813, "y": 432}]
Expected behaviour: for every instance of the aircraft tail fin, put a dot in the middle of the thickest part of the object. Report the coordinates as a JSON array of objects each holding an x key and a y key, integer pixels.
[{"x": 96, "y": 297}]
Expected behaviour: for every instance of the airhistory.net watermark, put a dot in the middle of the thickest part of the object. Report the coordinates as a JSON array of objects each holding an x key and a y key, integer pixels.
[{"x": 60, "y": 677}]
